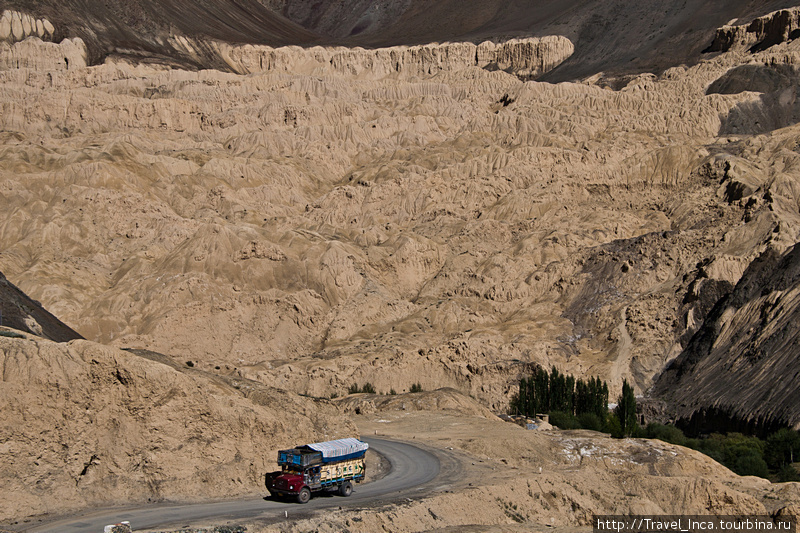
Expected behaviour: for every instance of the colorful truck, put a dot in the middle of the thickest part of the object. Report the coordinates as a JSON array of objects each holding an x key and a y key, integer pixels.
[{"x": 331, "y": 466}]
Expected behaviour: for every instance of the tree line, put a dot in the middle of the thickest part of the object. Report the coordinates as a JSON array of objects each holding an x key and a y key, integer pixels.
[
  {"x": 578, "y": 404},
  {"x": 545, "y": 392},
  {"x": 574, "y": 403},
  {"x": 772, "y": 458}
]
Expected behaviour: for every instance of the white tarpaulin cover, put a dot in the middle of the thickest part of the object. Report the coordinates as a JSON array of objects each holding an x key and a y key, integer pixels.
[{"x": 341, "y": 448}]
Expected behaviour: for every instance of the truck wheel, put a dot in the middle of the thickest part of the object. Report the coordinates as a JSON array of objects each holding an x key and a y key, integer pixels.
[
  {"x": 304, "y": 495},
  {"x": 346, "y": 489}
]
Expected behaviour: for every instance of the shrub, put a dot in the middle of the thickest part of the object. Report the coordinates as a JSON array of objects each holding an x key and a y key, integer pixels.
[
  {"x": 693, "y": 444},
  {"x": 355, "y": 389},
  {"x": 788, "y": 473},
  {"x": 613, "y": 426},
  {"x": 666, "y": 433},
  {"x": 713, "y": 446},
  {"x": 392, "y": 392},
  {"x": 736, "y": 446},
  {"x": 416, "y": 387},
  {"x": 750, "y": 465},
  {"x": 782, "y": 448},
  {"x": 590, "y": 421},
  {"x": 564, "y": 420},
  {"x": 745, "y": 455}
]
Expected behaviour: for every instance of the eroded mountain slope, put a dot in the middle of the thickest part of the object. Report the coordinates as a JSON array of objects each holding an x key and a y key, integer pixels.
[
  {"x": 152, "y": 31},
  {"x": 398, "y": 215},
  {"x": 615, "y": 38}
]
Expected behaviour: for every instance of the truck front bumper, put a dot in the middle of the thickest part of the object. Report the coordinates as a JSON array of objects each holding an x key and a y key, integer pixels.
[{"x": 282, "y": 493}]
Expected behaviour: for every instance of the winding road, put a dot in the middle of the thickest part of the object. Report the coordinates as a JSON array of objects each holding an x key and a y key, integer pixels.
[{"x": 411, "y": 469}]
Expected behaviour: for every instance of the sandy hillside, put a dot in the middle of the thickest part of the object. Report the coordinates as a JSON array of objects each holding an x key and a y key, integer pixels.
[
  {"x": 85, "y": 425},
  {"x": 338, "y": 216}
]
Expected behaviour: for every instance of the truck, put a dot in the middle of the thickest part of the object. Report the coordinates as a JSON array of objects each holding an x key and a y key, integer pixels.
[{"x": 331, "y": 466}]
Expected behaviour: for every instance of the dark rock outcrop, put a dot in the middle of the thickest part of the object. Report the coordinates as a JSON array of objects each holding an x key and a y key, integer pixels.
[
  {"x": 743, "y": 364},
  {"x": 20, "y": 312},
  {"x": 144, "y": 30}
]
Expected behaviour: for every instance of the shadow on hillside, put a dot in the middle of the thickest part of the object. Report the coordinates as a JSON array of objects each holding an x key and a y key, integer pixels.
[{"x": 778, "y": 105}]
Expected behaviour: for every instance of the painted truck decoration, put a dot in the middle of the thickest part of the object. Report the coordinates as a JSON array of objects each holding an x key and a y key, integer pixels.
[{"x": 331, "y": 466}]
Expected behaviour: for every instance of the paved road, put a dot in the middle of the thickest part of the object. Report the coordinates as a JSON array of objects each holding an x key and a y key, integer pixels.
[{"x": 411, "y": 468}]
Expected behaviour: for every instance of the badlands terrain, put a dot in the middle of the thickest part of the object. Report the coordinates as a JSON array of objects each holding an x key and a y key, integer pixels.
[{"x": 232, "y": 232}]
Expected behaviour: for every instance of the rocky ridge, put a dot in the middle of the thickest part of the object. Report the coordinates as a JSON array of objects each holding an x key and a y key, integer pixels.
[
  {"x": 19, "y": 312},
  {"x": 16, "y": 26},
  {"x": 16, "y": 51},
  {"x": 771, "y": 29},
  {"x": 142, "y": 30},
  {"x": 527, "y": 58}
]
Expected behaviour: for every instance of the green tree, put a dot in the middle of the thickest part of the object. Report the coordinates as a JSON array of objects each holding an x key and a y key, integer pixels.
[
  {"x": 750, "y": 465},
  {"x": 788, "y": 473},
  {"x": 544, "y": 392},
  {"x": 782, "y": 448},
  {"x": 626, "y": 410},
  {"x": 558, "y": 391},
  {"x": 612, "y": 426},
  {"x": 581, "y": 398},
  {"x": 601, "y": 399},
  {"x": 542, "y": 389},
  {"x": 569, "y": 394}
]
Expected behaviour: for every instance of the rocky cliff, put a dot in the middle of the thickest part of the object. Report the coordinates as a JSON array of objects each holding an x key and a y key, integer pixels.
[
  {"x": 144, "y": 30},
  {"x": 618, "y": 39},
  {"x": 765, "y": 31},
  {"x": 739, "y": 372},
  {"x": 525, "y": 58}
]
